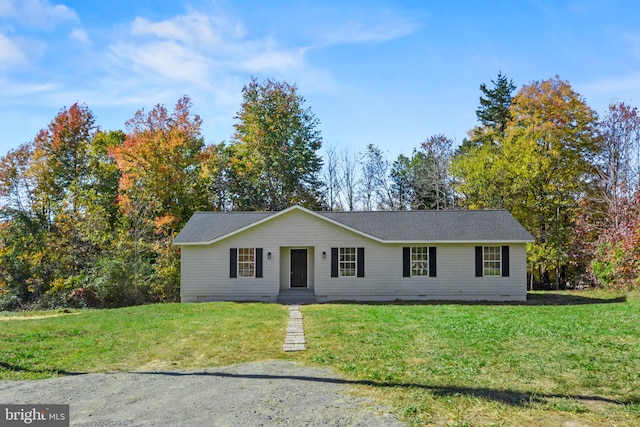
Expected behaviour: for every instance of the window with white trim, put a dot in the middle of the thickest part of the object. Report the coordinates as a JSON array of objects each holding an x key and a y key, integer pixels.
[
  {"x": 246, "y": 262},
  {"x": 347, "y": 262},
  {"x": 492, "y": 261},
  {"x": 419, "y": 261}
]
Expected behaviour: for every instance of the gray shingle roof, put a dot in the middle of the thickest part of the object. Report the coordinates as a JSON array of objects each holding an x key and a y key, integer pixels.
[
  {"x": 435, "y": 226},
  {"x": 205, "y": 227},
  {"x": 397, "y": 226}
]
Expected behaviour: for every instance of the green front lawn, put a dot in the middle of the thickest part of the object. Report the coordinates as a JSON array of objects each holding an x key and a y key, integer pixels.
[
  {"x": 575, "y": 362},
  {"x": 149, "y": 337},
  {"x": 490, "y": 364}
]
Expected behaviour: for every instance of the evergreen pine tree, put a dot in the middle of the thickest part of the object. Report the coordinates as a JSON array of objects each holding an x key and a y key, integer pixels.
[{"x": 494, "y": 105}]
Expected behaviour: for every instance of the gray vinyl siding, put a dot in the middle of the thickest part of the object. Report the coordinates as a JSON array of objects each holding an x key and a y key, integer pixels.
[
  {"x": 205, "y": 268},
  {"x": 205, "y": 277},
  {"x": 455, "y": 280}
]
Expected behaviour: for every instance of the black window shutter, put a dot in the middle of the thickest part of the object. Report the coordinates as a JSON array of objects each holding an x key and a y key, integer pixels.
[
  {"x": 432, "y": 261},
  {"x": 360, "y": 267},
  {"x": 233, "y": 263},
  {"x": 406, "y": 262},
  {"x": 258, "y": 262},
  {"x": 505, "y": 261},
  {"x": 479, "y": 261},
  {"x": 334, "y": 262}
]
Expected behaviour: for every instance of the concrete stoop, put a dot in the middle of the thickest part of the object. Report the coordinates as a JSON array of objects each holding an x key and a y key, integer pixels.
[{"x": 296, "y": 296}]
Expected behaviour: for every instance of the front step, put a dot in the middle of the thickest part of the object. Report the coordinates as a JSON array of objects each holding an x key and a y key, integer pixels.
[{"x": 297, "y": 296}]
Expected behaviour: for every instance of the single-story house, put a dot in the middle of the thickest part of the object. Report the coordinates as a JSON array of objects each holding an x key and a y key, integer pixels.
[{"x": 296, "y": 253}]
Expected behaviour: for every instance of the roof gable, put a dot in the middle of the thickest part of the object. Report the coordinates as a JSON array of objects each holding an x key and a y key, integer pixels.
[{"x": 460, "y": 226}]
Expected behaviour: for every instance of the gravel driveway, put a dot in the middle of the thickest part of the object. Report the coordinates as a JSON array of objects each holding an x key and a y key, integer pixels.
[{"x": 271, "y": 393}]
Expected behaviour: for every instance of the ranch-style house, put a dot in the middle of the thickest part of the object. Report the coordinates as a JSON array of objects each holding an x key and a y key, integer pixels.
[{"x": 298, "y": 255}]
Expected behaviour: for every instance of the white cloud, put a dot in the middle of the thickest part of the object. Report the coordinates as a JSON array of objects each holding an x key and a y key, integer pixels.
[
  {"x": 11, "y": 88},
  {"x": 36, "y": 13},
  {"x": 361, "y": 23},
  {"x": 166, "y": 59},
  {"x": 606, "y": 90},
  {"x": 192, "y": 28},
  {"x": 195, "y": 47},
  {"x": 15, "y": 15},
  {"x": 359, "y": 32},
  {"x": 11, "y": 53},
  {"x": 281, "y": 60},
  {"x": 613, "y": 86},
  {"x": 58, "y": 12},
  {"x": 81, "y": 36},
  {"x": 6, "y": 7},
  {"x": 170, "y": 30}
]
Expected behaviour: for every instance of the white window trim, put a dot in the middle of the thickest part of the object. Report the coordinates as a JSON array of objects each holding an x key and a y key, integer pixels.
[
  {"x": 355, "y": 262},
  {"x": 413, "y": 262},
  {"x": 239, "y": 263},
  {"x": 485, "y": 261}
]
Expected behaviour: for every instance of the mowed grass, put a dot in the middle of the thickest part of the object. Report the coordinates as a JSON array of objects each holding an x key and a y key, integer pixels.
[
  {"x": 150, "y": 337},
  {"x": 568, "y": 359},
  {"x": 573, "y": 364}
]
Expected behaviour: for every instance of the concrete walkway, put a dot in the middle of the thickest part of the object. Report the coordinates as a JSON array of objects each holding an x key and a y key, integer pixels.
[{"x": 295, "y": 331}]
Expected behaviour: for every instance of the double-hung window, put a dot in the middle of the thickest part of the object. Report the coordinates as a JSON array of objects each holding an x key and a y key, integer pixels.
[
  {"x": 246, "y": 262},
  {"x": 492, "y": 261},
  {"x": 347, "y": 262},
  {"x": 419, "y": 261}
]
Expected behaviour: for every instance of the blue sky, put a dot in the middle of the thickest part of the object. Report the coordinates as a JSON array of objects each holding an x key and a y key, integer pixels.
[{"x": 390, "y": 73}]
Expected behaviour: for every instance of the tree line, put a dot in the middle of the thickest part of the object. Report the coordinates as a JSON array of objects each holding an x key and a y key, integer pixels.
[{"x": 87, "y": 216}]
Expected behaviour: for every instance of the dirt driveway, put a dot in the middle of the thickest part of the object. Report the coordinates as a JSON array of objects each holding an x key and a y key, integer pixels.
[{"x": 271, "y": 393}]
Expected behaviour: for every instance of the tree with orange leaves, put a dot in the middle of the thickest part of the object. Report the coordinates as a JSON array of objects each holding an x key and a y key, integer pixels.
[
  {"x": 57, "y": 194},
  {"x": 160, "y": 187},
  {"x": 160, "y": 163}
]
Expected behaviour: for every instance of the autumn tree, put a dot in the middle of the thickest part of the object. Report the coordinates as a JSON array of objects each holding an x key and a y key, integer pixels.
[
  {"x": 215, "y": 177},
  {"x": 66, "y": 145},
  {"x": 159, "y": 189},
  {"x": 273, "y": 159},
  {"x": 480, "y": 179},
  {"x": 538, "y": 172},
  {"x": 160, "y": 164},
  {"x": 22, "y": 230},
  {"x": 58, "y": 194},
  {"x": 549, "y": 152},
  {"x": 608, "y": 227},
  {"x": 61, "y": 165},
  {"x": 17, "y": 184}
]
